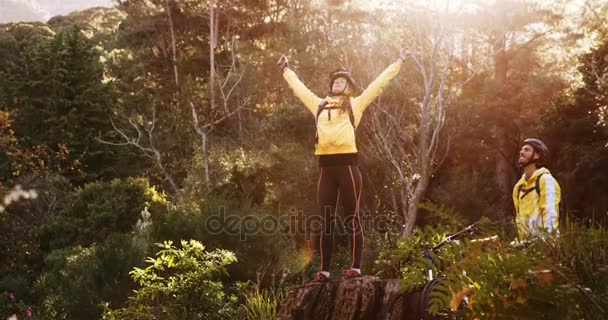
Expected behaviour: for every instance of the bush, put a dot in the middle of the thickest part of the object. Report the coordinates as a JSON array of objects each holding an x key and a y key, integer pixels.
[
  {"x": 219, "y": 220},
  {"x": 554, "y": 277},
  {"x": 11, "y": 305},
  {"x": 76, "y": 279},
  {"x": 180, "y": 283},
  {"x": 99, "y": 209}
]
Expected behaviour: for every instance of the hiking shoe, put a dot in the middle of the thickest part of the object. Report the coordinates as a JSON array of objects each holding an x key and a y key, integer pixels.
[
  {"x": 319, "y": 277},
  {"x": 350, "y": 274}
]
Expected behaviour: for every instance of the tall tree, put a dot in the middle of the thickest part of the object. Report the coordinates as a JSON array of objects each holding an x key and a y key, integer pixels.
[
  {"x": 57, "y": 91},
  {"x": 507, "y": 27},
  {"x": 416, "y": 145},
  {"x": 577, "y": 129}
]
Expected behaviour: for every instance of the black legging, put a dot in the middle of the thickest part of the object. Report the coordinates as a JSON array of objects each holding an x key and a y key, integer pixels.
[{"x": 340, "y": 182}]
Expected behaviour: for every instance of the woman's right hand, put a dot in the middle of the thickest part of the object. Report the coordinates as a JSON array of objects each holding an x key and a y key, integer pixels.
[
  {"x": 282, "y": 63},
  {"x": 404, "y": 53}
]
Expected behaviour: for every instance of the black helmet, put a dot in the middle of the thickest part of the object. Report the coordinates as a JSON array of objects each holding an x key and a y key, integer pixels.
[
  {"x": 342, "y": 73},
  {"x": 539, "y": 147}
]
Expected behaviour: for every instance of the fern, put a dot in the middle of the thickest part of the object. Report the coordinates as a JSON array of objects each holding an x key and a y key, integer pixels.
[
  {"x": 504, "y": 283},
  {"x": 441, "y": 214},
  {"x": 497, "y": 280}
]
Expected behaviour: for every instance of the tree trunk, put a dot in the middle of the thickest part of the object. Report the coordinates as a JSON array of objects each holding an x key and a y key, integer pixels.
[
  {"x": 464, "y": 52},
  {"x": 363, "y": 298},
  {"x": 240, "y": 117},
  {"x": 212, "y": 44},
  {"x": 412, "y": 208},
  {"x": 173, "y": 49},
  {"x": 168, "y": 177},
  {"x": 410, "y": 222},
  {"x": 504, "y": 168},
  {"x": 206, "y": 157}
]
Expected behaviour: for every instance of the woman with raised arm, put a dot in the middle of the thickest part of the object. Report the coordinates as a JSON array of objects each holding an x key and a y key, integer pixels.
[{"x": 336, "y": 118}]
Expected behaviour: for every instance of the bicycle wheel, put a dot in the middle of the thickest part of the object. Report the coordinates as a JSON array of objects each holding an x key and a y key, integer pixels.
[{"x": 425, "y": 299}]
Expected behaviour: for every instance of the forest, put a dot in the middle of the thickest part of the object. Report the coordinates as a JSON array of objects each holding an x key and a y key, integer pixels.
[{"x": 155, "y": 164}]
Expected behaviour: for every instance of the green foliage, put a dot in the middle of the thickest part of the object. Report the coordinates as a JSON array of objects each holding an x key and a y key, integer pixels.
[
  {"x": 98, "y": 209},
  {"x": 65, "y": 254},
  {"x": 76, "y": 279},
  {"x": 18, "y": 38},
  {"x": 11, "y": 305},
  {"x": 262, "y": 304},
  {"x": 56, "y": 85},
  {"x": 558, "y": 277},
  {"x": 98, "y": 23},
  {"x": 442, "y": 214},
  {"x": 405, "y": 258},
  {"x": 471, "y": 192},
  {"x": 577, "y": 129},
  {"x": 180, "y": 283},
  {"x": 227, "y": 220}
]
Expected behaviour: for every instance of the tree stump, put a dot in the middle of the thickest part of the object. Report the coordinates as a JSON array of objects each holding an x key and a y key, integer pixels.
[{"x": 361, "y": 298}]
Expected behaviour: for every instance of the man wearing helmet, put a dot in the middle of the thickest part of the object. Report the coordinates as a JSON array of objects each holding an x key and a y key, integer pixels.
[{"x": 537, "y": 194}]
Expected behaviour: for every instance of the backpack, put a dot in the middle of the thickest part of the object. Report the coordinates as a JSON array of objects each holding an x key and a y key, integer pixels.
[
  {"x": 323, "y": 106},
  {"x": 535, "y": 188},
  {"x": 562, "y": 212}
]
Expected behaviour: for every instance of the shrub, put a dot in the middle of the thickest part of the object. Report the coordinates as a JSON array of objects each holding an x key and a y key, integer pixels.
[
  {"x": 76, "y": 279},
  {"x": 180, "y": 283},
  {"x": 99, "y": 209},
  {"x": 553, "y": 277}
]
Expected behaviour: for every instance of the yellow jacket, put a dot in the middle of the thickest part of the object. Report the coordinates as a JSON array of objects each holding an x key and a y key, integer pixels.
[
  {"x": 536, "y": 210},
  {"x": 338, "y": 135}
]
